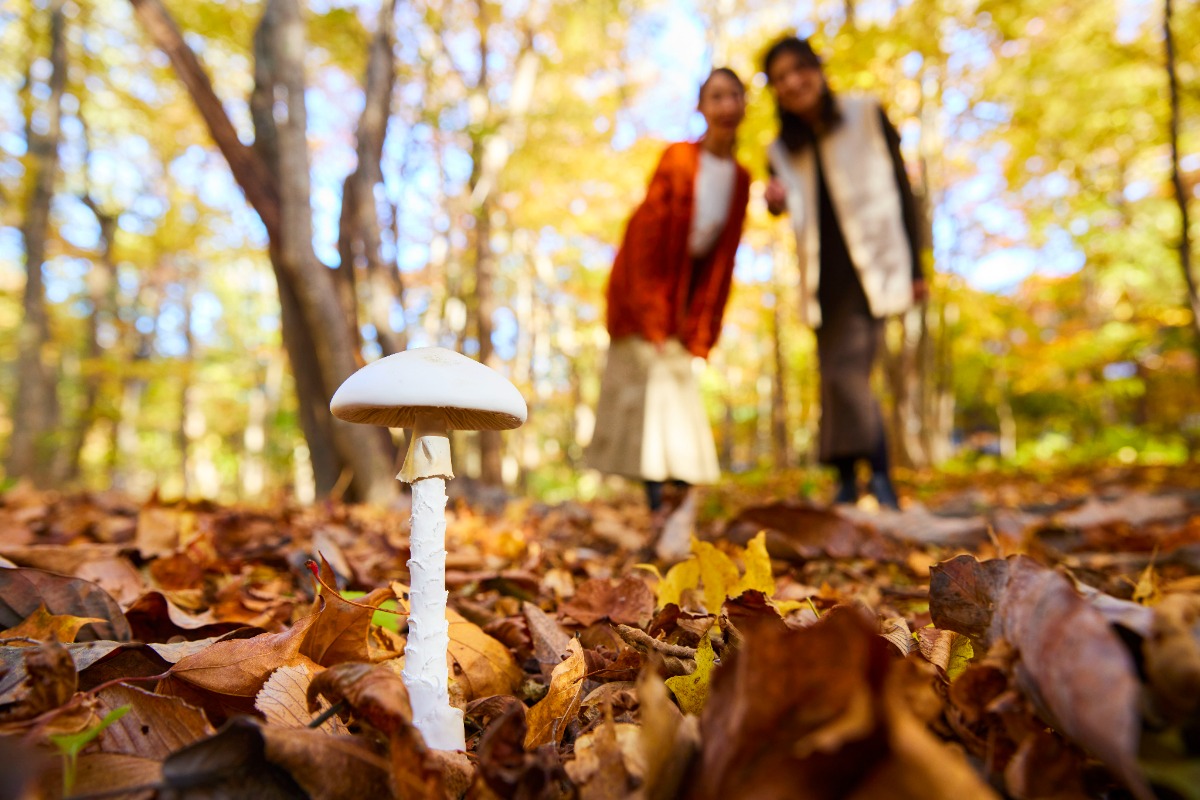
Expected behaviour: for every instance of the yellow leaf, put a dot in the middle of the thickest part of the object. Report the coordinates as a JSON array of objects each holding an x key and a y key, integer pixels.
[
  {"x": 692, "y": 690},
  {"x": 547, "y": 721},
  {"x": 758, "y": 576},
  {"x": 41, "y": 625},
  {"x": 681, "y": 577},
  {"x": 719, "y": 574},
  {"x": 961, "y": 653}
]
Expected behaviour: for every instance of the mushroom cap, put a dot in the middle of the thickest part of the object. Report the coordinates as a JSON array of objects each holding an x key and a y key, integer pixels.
[{"x": 396, "y": 390}]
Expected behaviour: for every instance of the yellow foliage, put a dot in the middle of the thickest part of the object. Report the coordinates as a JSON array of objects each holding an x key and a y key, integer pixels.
[
  {"x": 717, "y": 575},
  {"x": 692, "y": 690}
]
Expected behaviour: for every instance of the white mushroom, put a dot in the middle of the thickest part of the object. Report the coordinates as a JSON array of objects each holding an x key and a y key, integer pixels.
[{"x": 431, "y": 390}]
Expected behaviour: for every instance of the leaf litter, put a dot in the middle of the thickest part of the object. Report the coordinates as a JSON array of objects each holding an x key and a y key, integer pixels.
[{"x": 1001, "y": 639}]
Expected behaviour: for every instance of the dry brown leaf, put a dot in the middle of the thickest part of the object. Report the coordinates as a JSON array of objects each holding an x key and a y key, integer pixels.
[
  {"x": 283, "y": 700},
  {"x": 813, "y": 713},
  {"x": 117, "y": 576},
  {"x": 628, "y": 601},
  {"x": 240, "y": 667},
  {"x": 161, "y": 531},
  {"x": 154, "y": 616},
  {"x": 1172, "y": 657},
  {"x": 64, "y": 559},
  {"x": 1070, "y": 664},
  {"x": 340, "y": 632},
  {"x": 668, "y": 738},
  {"x": 550, "y": 641},
  {"x": 548, "y": 720},
  {"x": 480, "y": 664},
  {"x": 42, "y": 625},
  {"x": 600, "y": 768},
  {"x": 506, "y": 770},
  {"x": 376, "y": 694},
  {"x": 154, "y": 727},
  {"x": 100, "y": 773},
  {"x": 797, "y": 532},
  {"x": 896, "y": 631},
  {"x": 49, "y": 680},
  {"x": 327, "y": 767}
]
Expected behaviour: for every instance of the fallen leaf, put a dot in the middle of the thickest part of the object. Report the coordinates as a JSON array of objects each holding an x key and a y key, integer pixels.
[
  {"x": 341, "y": 628},
  {"x": 798, "y": 533},
  {"x": 328, "y": 767},
  {"x": 283, "y": 700},
  {"x": 826, "y": 724},
  {"x": 626, "y": 601},
  {"x": 1070, "y": 663},
  {"x": 1172, "y": 657},
  {"x": 375, "y": 694},
  {"x": 480, "y": 664},
  {"x": 547, "y": 721},
  {"x": 896, "y": 631},
  {"x": 679, "y": 579},
  {"x": 550, "y": 641},
  {"x": 718, "y": 575},
  {"x": 757, "y": 575},
  {"x": 692, "y": 690},
  {"x": 668, "y": 739},
  {"x": 161, "y": 531},
  {"x": 49, "y": 681},
  {"x": 507, "y": 770},
  {"x": 117, "y": 775},
  {"x": 154, "y": 727},
  {"x": 949, "y": 651},
  {"x": 42, "y": 625},
  {"x": 23, "y": 590},
  {"x": 240, "y": 667},
  {"x": 600, "y": 768},
  {"x": 234, "y": 763}
]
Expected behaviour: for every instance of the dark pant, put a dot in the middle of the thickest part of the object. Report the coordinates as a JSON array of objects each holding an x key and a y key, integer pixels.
[{"x": 654, "y": 492}]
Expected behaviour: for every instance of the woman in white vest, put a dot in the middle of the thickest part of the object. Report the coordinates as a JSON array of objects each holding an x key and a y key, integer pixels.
[{"x": 836, "y": 169}]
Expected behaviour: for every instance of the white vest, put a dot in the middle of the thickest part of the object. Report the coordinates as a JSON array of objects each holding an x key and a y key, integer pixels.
[{"x": 861, "y": 181}]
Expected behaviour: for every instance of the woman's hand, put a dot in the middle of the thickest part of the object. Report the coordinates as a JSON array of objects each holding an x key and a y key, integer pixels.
[
  {"x": 776, "y": 196},
  {"x": 920, "y": 291}
]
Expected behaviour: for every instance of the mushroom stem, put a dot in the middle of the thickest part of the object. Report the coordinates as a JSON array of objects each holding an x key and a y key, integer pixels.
[{"x": 425, "y": 671}]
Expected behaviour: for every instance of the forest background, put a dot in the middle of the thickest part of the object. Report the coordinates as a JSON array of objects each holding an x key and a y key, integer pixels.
[{"x": 211, "y": 213}]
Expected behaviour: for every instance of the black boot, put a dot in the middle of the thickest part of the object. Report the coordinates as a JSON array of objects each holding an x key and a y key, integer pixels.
[
  {"x": 847, "y": 481},
  {"x": 881, "y": 487},
  {"x": 847, "y": 493}
]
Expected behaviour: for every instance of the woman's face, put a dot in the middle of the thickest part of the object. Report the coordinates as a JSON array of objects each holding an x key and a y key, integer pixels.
[
  {"x": 723, "y": 104},
  {"x": 798, "y": 85}
]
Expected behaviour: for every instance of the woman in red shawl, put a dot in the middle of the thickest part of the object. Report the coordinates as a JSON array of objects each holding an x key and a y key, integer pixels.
[{"x": 666, "y": 297}]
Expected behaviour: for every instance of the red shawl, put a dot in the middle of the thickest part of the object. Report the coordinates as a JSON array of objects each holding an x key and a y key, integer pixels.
[{"x": 648, "y": 288}]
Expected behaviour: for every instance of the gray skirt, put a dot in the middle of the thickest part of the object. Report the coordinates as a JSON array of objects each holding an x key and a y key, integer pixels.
[
  {"x": 650, "y": 420},
  {"x": 847, "y": 344}
]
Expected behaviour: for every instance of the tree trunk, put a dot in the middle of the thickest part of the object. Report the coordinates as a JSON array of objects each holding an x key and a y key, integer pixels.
[
  {"x": 360, "y": 239},
  {"x": 35, "y": 407},
  {"x": 275, "y": 178},
  {"x": 781, "y": 454},
  {"x": 1181, "y": 198},
  {"x": 101, "y": 286}
]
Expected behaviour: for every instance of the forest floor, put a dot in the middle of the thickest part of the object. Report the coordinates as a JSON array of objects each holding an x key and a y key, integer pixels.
[{"x": 1017, "y": 635}]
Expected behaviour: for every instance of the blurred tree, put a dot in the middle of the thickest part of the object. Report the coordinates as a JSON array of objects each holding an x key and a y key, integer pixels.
[
  {"x": 35, "y": 410},
  {"x": 274, "y": 175}
]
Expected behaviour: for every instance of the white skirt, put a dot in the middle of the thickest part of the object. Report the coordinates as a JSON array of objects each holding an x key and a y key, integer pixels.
[{"x": 650, "y": 421}]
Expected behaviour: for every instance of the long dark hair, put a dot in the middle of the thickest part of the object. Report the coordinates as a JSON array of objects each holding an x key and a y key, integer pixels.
[
  {"x": 728, "y": 73},
  {"x": 794, "y": 131}
]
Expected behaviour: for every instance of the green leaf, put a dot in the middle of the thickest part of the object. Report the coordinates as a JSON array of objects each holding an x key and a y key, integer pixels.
[
  {"x": 70, "y": 744},
  {"x": 381, "y": 618}
]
